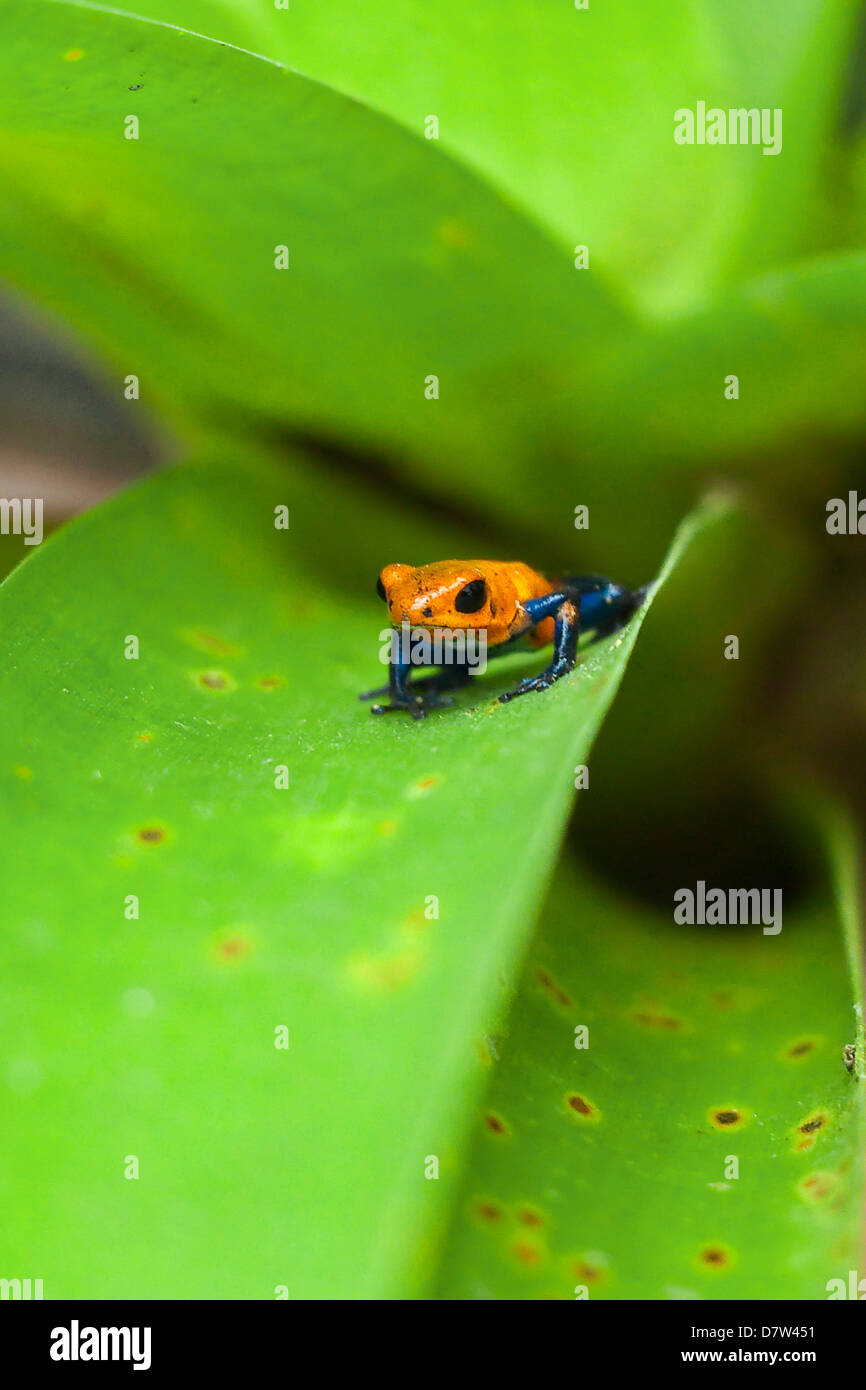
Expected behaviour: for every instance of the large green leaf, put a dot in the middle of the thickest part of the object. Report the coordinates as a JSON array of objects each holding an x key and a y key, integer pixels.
[
  {"x": 402, "y": 265},
  {"x": 307, "y": 907},
  {"x": 162, "y": 249},
  {"x": 610, "y": 1169},
  {"x": 571, "y": 112}
]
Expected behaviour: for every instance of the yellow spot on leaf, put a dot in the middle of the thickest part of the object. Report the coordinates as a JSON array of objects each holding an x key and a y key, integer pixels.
[
  {"x": 232, "y": 946},
  {"x": 531, "y": 1254},
  {"x": 422, "y": 786},
  {"x": 453, "y": 233},
  {"x": 387, "y": 972},
  {"x": 817, "y": 1187},
  {"x": 210, "y": 642},
  {"x": 218, "y": 681}
]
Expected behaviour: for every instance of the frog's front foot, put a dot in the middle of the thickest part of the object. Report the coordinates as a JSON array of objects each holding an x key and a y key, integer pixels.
[
  {"x": 542, "y": 682},
  {"x": 416, "y": 705}
]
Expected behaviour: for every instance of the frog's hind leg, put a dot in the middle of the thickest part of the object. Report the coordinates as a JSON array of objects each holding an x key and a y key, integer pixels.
[
  {"x": 564, "y": 608},
  {"x": 604, "y": 607},
  {"x": 578, "y": 602},
  {"x": 450, "y": 677}
]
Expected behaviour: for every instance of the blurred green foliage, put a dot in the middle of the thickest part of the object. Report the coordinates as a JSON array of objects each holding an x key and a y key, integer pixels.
[
  {"x": 256, "y": 906},
  {"x": 702, "y": 1045},
  {"x": 558, "y": 387}
]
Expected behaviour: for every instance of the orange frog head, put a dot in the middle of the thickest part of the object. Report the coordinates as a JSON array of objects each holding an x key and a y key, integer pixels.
[{"x": 464, "y": 594}]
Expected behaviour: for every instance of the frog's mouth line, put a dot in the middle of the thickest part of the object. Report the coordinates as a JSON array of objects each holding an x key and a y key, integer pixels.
[{"x": 432, "y": 625}]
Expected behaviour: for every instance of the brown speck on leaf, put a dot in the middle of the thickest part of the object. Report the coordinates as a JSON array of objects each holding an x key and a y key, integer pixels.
[
  {"x": 528, "y": 1216},
  {"x": 549, "y": 985},
  {"x": 233, "y": 947},
  {"x": 849, "y": 1054},
  {"x": 496, "y": 1124},
  {"x": 526, "y": 1253},
  {"x": 213, "y": 680},
  {"x": 653, "y": 1020},
  {"x": 488, "y": 1211},
  {"x": 817, "y": 1187},
  {"x": 150, "y": 835},
  {"x": 422, "y": 786},
  {"x": 387, "y": 972},
  {"x": 810, "y": 1126},
  {"x": 581, "y": 1106},
  {"x": 453, "y": 233},
  {"x": 714, "y": 1256},
  {"x": 726, "y": 1118},
  {"x": 210, "y": 642},
  {"x": 800, "y": 1048},
  {"x": 269, "y": 682}
]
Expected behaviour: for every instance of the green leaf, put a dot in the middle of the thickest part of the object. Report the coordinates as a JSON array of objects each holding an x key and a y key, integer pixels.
[
  {"x": 613, "y": 1171},
  {"x": 161, "y": 249},
  {"x": 571, "y": 113},
  {"x": 258, "y": 907}
]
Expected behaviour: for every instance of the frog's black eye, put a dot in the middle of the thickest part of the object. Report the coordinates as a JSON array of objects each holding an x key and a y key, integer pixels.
[
  {"x": 471, "y": 597},
  {"x": 380, "y": 588}
]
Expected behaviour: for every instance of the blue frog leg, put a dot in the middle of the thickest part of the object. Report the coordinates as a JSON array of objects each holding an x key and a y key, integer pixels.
[
  {"x": 420, "y": 695},
  {"x": 588, "y": 602},
  {"x": 565, "y": 611}
]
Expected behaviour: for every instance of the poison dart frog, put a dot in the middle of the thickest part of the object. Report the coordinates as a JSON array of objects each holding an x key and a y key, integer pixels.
[{"x": 510, "y": 603}]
